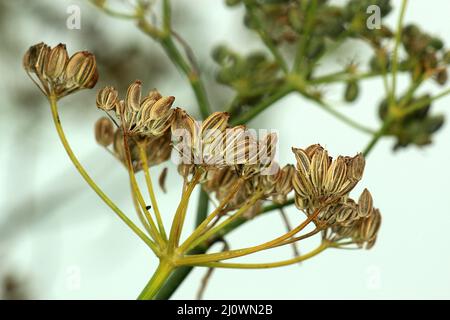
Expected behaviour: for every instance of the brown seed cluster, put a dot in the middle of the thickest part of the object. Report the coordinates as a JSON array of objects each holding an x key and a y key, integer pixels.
[
  {"x": 275, "y": 186},
  {"x": 229, "y": 156},
  {"x": 158, "y": 148},
  {"x": 324, "y": 184},
  {"x": 320, "y": 179},
  {"x": 230, "y": 162},
  {"x": 56, "y": 74},
  {"x": 237, "y": 168},
  {"x": 150, "y": 116},
  {"x": 362, "y": 231},
  {"x": 283, "y": 185},
  {"x": 213, "y": 143}
]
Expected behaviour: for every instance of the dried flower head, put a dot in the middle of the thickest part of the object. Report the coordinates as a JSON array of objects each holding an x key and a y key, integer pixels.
[
  {"x": 320, "y": 179},
  {"x": 213, "y": 144},
  {"x": 200, "y": 143},
  {"x": 264, "y": 184},
  {"x": 258, "y": 156},
  {"x": 107, "y": 98},
  {"x": 347, "y": 212},
  {"x": 283, "y": 185},
  {"x": 56, "y": 74},
  {"x": 158, "y": 149},
  {"x": 361, "y": 231},
  {"x": 150, "y": 116},
  {"x": 220, "y": 181}
]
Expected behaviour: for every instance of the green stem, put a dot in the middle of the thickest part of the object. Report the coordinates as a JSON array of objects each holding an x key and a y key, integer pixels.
[
  {"x": 211, "y": 232},
  {"x": 268, "y": 265},
  {"x": 376, "y": 137},
  {"x": 264, "y": 36},
  {"x": 151, "y": 192},
  {"x": 165, "y": 39},
  {"x": 305, "y": 38},
  {"x": 139, "y": 213},
  {"x": 217, "y": 211},
  {"x": 343, "y": 76},
  {"x": 181, "y": 273},
  {"x": 233, "y": 106},
  {"x": 176, "y": 278},
  {"x": 421, "y": 103},
  {"x": 393, "y": 93},
  {"x": 326, "y": 107},
  {"x": 241, "y": 220},
  {"x": 194, "y": 79},
  {"x": 91, "y": 183},
  {"x": 175, "y": 55},
  {"x": 277, "y": 206},
  {"x": 398, "y": 36},
  {"x": 202, "y": 209},
  {"x": 180, "y": 214},
  {"x": 167, "y": 15},
  {"x": 267, "y": 102},
  {"x": 410, "y": 92},
  {"x": 157, "y": 281},
  {"x": 230, "y": 254},
  {"x": 112, "y": 12},
  {"x": 137, "y": 192}
]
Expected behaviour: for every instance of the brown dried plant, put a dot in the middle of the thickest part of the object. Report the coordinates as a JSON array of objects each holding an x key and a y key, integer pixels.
[
  {"x": 224, "y": 160},
  {"x": 221, "y": 156}
]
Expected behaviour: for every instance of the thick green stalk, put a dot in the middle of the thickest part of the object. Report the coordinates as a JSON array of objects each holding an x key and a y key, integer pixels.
[
  {"x": 202, "y": 209},
  {"x": 180, "y": 274},
  {"x": 157, "y": 281}
]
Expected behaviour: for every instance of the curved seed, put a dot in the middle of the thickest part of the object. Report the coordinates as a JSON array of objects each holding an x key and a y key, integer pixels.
[
  {"x": 82, "y": 69},
  {"x": 107, "y": 98},
  {"x": 365, "y": 204},
  {"x": 57, "y": 62},
  {"x": 133, "y": 98},
  {"x": 160, "y": 107},
  {"x": 303, "y": 162}
]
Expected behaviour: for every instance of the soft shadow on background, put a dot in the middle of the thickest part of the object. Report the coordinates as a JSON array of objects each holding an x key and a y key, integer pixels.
[{"x": 58, "y": 240}]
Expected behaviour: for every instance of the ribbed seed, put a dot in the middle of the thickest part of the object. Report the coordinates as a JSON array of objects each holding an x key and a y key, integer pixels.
[
  {"x": 365, "y": 204},
  {"x": 133, "y": 98}
]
